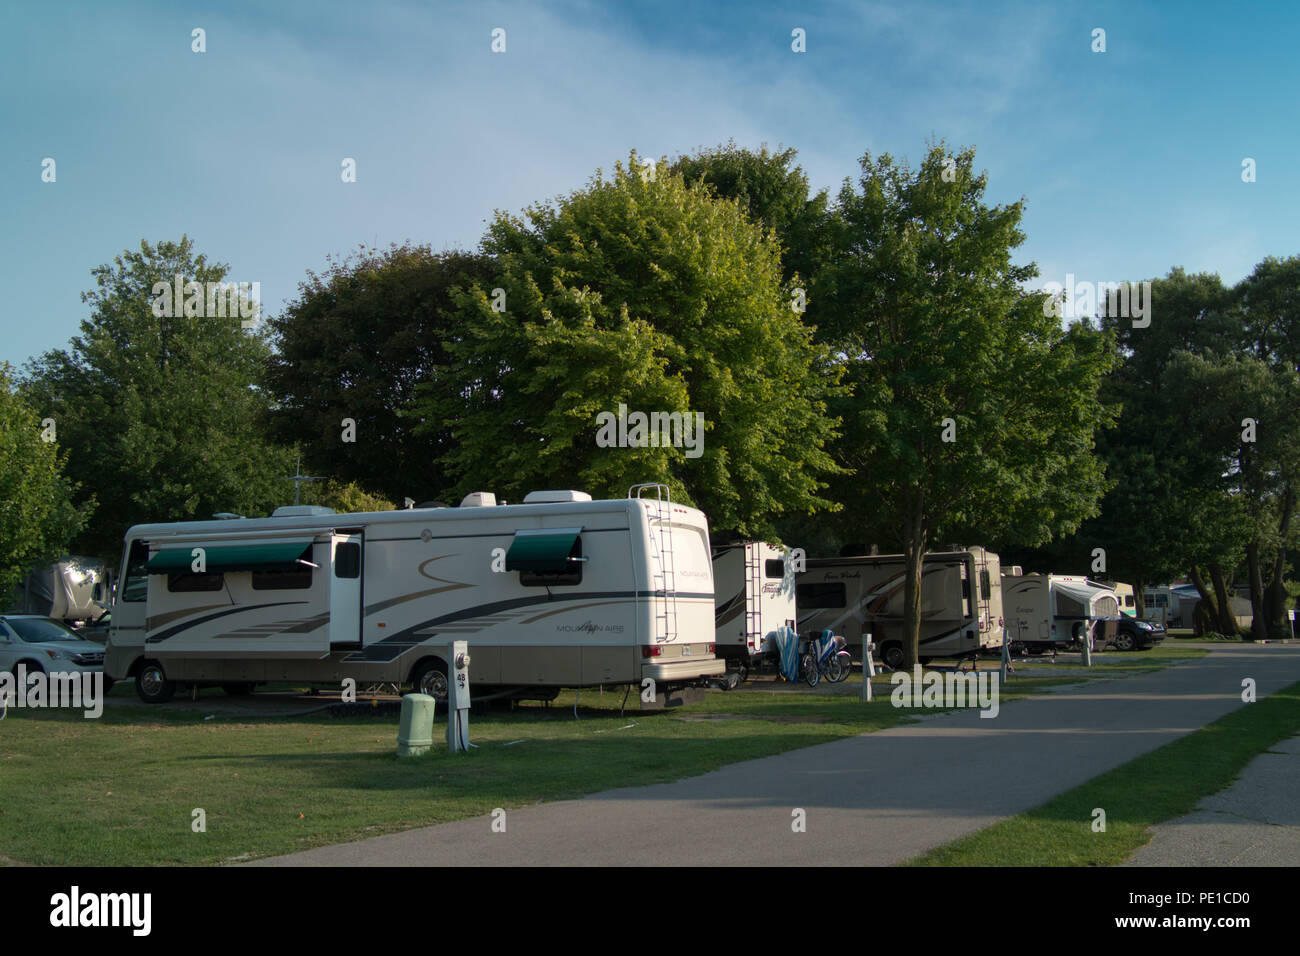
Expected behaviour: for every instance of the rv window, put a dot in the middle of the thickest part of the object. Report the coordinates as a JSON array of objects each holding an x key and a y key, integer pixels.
[
  {"x": 295, "y": 580},
  {"x": 774, "y": 567},
  {"x": 572, "y": 575},
  {"x": 986, "y": 587},
  {"x": 820, "y": 595},
  {"x": 184, "y": 583},
  {"x": 135, "y": 584},
  {"x": 347, "y": 560}
]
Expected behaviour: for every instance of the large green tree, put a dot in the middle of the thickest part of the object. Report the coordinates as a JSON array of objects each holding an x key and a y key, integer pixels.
[
  {"x": 160, "y": 414},
  {"x": 37, "y": 516},
  {"x": 353, "y": 347},
  {"x": 1163, "y": 516},
  {"x": 647, "y": 292},
  {"x": 1270, "y": 302},
  {"x": 773, "y": 190},
  {"x": 974, "y": 412}
]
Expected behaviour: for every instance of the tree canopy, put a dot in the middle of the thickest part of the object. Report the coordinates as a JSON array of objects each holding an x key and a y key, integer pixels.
[{"x": 637, "y": 294}]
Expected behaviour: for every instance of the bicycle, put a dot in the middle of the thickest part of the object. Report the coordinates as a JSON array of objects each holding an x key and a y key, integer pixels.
[{"x": 825, "y": 656}]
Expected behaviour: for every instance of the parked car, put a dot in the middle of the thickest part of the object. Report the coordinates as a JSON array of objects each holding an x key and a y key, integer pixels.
[
  {"x": 48, "y": 646},
  {"x": 1134, "y": 635}
]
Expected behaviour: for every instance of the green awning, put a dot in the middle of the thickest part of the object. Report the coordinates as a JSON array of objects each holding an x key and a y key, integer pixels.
[
  {"x": 271, "y": 556},
  {"x": 543, "y": 551}
]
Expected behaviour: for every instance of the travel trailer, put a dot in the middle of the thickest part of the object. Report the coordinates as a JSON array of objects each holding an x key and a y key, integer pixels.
[
  {"x": 559, "y": 591},
  {"x": 1171, "y": 606},
  {"x": 72, "y": 590},
  {"x": 755, "y": 585},
  {"x": 961, "y": 602},
  {"x": 1050, "y": 611}
]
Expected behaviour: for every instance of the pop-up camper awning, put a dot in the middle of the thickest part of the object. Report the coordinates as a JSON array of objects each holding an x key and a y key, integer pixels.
[
  {"x": 271, "y": 556},
  {"x": 542, "y": 550}
]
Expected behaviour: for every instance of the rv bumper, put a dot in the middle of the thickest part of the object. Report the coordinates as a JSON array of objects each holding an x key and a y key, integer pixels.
[{"x": 683, "y": 670}]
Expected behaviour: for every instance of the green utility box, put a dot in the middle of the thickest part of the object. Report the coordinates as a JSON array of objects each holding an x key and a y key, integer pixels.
[{"x": 415, "y": 731}]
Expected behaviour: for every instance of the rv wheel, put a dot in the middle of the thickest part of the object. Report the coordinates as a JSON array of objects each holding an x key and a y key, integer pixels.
[
  {"x": 431, "y": 678},
  {"x": 152, "y": 685},
  {"x": 892, "y": 655}
]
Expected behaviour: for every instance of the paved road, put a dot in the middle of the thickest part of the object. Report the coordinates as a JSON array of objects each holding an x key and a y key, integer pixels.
[
  {"x": 1255, "y": 822},
  {"x": 876, "y": 799}
]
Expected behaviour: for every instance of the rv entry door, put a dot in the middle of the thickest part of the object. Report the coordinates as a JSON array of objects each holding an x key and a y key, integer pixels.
[{"x": 345, "y": 589}]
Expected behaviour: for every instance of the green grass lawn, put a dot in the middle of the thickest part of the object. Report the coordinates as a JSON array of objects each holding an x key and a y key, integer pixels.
[
  {"x": 121, "y": 789},
  {"x": 1159, "y": 786}
]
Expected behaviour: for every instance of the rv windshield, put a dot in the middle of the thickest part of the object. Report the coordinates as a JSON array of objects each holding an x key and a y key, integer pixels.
[{"x": 36, "y": 630}]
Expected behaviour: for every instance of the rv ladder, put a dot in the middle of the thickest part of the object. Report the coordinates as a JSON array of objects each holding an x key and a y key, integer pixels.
[
  {"x": 663, "y": 576},
  {"x": 753, "y": 598}
]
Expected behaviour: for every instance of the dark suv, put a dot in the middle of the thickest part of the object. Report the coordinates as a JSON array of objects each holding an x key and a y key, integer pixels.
[{"x": 1134, "y": 635}]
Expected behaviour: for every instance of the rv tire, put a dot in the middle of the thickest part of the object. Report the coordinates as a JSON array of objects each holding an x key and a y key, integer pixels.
[
  {"x": 152, "y": 685},
  {"x": 430, "y": 677},
  {"x": 891, "y": 654}
]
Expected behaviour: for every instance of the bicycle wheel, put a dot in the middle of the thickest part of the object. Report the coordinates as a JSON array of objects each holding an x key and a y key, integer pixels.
[
  {"x": 811, "y": 672},
  {"x": 845, "y": 668},
  {"x": 833, "y": 670}
]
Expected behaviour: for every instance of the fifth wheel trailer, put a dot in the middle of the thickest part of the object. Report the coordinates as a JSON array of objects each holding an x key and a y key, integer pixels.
[
  {"x": 961, "y": 602},
  {"x": 559, "y": 591},
  {"x": 72, "y": 590},
  {"x": 755, "y": 584}
]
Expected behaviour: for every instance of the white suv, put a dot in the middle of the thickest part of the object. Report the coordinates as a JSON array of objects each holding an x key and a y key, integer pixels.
[{"x": 43, "y": 644}]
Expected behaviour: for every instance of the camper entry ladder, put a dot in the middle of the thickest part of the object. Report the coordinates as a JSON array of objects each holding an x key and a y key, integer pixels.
[
  {"x": 663, "y": 574},
  {"x": 753, "y": 597}
]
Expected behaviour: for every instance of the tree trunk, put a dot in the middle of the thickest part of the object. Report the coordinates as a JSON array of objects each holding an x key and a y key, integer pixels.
[
  {"x": 1227, "y": 623},
  {"x": 1258, "y": 613},
  {"x": 1206, "y": 612},
  {"x": 1275, "y": 589},
  {"x": 1202, "y": 622},
  {"x": 1140, "y": 605},
  {"x": 914, "y": 557}
]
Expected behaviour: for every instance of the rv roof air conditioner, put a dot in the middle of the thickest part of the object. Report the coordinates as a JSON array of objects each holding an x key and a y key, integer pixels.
[
  {"x": 554, "y": 497},
  {"x": 479, "y": 499},
  {"x": 301, "y": 511}
]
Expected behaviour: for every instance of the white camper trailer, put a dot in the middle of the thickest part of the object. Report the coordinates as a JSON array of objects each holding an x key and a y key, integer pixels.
[
  {"x": 559, "y": 591},
  {"x": 1049, "y": 611},
  {"x": 74, "y": 590},
  {"x": 961, "y": 602},
  {"x": 755, "y": 587}
]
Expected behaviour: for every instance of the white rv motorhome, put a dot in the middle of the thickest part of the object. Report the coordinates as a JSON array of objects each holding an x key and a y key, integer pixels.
[
  {"x": 559, "y": 591},
  {"x": 1124, "y": 596},
  {"x": 755, "y": 587},
  {"x": 961, "y": 602},
  {"x": 1050, "y": 611}
]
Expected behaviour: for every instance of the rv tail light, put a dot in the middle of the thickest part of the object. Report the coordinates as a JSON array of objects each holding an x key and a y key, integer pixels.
[
  {"x": 647, "y": 651},
  {"x": 712, "y": 648}
]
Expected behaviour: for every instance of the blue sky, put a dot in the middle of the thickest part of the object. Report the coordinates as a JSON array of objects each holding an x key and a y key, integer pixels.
[{"x": 1130, "y": 160}]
